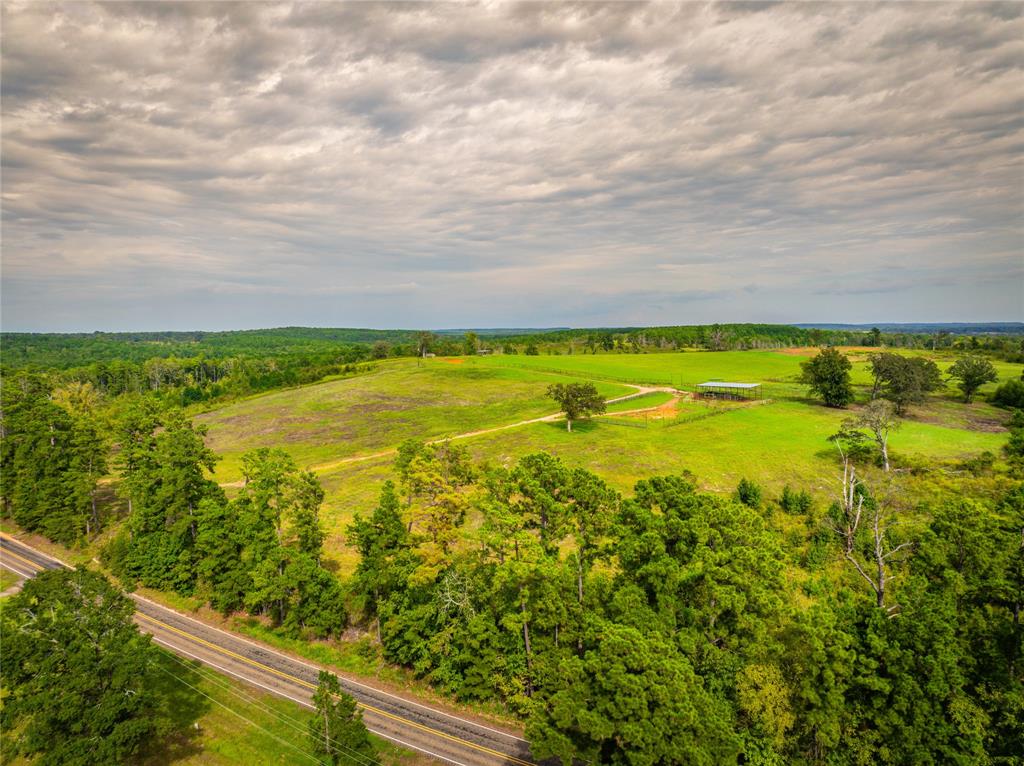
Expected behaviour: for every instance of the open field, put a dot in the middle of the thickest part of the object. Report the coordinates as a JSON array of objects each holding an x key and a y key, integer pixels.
[
  {"x": 344, "y": 429},
  {"x": 403, "y": 399},
  {"x": 778, "y": 370},
  {"x": 773, "y": 444},
  {"x": 652, "y": 399}
]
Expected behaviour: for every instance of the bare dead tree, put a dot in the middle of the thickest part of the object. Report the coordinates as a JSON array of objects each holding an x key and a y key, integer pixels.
[
  {"x": 851, "y": 506},
  {"x": 855, "y": 511},
  {"x": 454, "y": 595}
]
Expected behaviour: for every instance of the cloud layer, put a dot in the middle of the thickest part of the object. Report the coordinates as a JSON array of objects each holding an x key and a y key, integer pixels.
[{"x": 236, "y": 165}]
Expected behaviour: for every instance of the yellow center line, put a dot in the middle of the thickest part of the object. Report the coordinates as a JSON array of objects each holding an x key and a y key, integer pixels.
[
  {"x": 297, "y": 680},
  {"x": 32, "y": 564},
  {"x": 309, "y": 685}
]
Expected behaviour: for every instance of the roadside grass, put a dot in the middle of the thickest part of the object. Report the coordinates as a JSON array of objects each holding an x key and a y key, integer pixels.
[
  {"x": 361, "y": 658},
  {"x": 422, "y": 399},
  {"x": 8, "y": 579},
  {"x": 218, "y": 720}
]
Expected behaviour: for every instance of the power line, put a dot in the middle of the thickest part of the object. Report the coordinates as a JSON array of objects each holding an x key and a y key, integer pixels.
[
  {"x": 213, "y": 677},
  {"x": 239, "y": 715},
  {"x": 216, "y": 678}
]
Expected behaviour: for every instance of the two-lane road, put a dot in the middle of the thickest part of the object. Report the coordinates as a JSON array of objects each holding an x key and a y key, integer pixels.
[{"x": 430, "y": 730}]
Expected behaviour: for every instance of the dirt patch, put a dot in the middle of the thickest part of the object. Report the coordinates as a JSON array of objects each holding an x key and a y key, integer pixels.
[
  {"x": 968, "y": 421},
  {"x": 453, "y": 361},
  {"x": 812, "y": 350}
]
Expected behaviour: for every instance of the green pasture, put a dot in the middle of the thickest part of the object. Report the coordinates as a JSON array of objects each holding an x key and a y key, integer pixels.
[
  {"x": 422, "y": 399},
  {"x": 773, "y": 444},
  {"x": 780, "y": 442},
  {"x": 777, "y": 370},
  {"x": 653, "y": 399}
]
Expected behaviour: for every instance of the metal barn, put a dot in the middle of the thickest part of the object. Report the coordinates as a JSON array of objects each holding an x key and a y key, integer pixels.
[{"x": 720, "y": 389}]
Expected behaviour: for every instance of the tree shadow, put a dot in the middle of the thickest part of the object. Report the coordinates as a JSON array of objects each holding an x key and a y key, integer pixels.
[
  {"x": 578, "y": 426},
  {"x": 181, "y": 705}
]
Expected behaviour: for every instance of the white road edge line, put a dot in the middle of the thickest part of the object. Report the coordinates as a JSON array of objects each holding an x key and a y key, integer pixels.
[
  {"x": 18, "y": 572},
  {"x": 278, "y": 693},
  {"x": 318, "y": 668},
  {"x": 285, "y": 656}
]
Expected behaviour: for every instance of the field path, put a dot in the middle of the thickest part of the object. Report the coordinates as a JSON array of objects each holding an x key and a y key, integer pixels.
[{"x": 640, "y": 391}]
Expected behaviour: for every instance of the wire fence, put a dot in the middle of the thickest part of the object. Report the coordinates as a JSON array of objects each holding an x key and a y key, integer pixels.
[{"x": 642, "y": 420}]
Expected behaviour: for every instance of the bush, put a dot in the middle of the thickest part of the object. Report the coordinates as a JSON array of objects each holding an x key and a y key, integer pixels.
[
  {"x": 795, "y": 502},
  {"x": 748, "y": 493},
  {"x": 1010, "y": 395}
]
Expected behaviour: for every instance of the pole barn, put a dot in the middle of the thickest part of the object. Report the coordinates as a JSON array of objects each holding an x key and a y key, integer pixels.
[{"x": 720, "y": 389}]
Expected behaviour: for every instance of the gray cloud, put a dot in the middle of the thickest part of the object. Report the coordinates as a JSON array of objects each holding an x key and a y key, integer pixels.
[{"x": 241, "y": 164}]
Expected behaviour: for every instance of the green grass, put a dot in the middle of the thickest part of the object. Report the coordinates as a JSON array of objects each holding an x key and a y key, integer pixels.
[
  {"x": 7, "y": 579},
  {"x": 778, "y": 370},
  {"x": 362, "y": 658},
  {"x": 404, "y": 399},
  {"x": 218, "y": 720},
  {"x": 652, "y": 399},
  {"x": 774, "y": 444}
]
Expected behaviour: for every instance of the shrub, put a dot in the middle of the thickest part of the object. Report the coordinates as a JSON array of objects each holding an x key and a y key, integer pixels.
[
  {"x": 795, "y": 502},
  {"x": 1010, "y": 395},
  {"x": 748, "y": 493}
]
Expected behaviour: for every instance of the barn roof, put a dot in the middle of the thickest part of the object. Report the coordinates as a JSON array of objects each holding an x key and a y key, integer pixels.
[{"x": 723, "y": 384}]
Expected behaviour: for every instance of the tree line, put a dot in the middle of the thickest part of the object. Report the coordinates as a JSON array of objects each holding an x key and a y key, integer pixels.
[
  {"x": 902, "y": 380},
  {"x": 260, "y": 551}
]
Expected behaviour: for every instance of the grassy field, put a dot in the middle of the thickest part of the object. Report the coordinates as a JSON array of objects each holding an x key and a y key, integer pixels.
[
  {"x": 774, "y": 444},
  {"x": 652, "y": 399},
  {"x": 777, "y": 370},
  {"x": 426, "y": 400}
]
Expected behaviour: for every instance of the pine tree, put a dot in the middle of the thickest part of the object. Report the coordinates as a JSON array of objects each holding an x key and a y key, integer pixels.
[{"x": 336, "y": 729}]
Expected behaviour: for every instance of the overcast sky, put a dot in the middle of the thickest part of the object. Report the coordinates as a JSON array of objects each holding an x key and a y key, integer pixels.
[{"x": 243, "y": 165}]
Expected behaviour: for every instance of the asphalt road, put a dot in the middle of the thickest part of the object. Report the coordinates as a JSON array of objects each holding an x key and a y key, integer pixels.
[{"x": 442, "y": 735}]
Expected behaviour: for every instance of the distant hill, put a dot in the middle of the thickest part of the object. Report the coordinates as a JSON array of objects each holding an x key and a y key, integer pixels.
[
  {"x": 953, "y": 328},
  {"x": 501, "y": 332}
]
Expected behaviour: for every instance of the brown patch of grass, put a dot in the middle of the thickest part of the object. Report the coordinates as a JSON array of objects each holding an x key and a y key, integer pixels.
[{"x": 812, "y": 350}]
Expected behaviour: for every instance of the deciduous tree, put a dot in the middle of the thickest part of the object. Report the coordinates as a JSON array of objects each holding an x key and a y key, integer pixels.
[
  {"x": 903, "y": 380},
  {"x": 972, "y": 372},
  {"x": 577, "y": 400},
  {"x": 77, "y": 672},
  {"x": 828, "y": 376}
]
